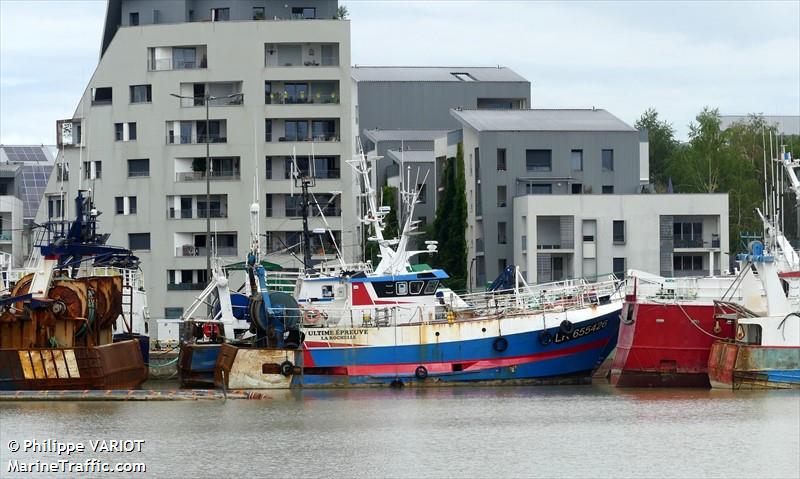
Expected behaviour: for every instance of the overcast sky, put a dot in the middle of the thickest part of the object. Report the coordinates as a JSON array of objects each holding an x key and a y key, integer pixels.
[{"x": 742, "y": 57}]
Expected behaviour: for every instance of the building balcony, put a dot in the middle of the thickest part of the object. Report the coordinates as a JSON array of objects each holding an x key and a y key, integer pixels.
[
  {"x": 189, "y": 251},
  {"x": 195, "y": 139},
  {"x": 201, "y": 176},
  {"x": 694, "y": 242},
  {"x": 328, "y": 174},
  {"x": 186, "y": 214},
  {"x": 186, "y": 286}
]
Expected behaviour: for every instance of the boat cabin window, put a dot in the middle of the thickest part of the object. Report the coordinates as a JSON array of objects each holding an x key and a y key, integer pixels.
[
  {"x": 402, "y": 288},
  {"x": 431, "y": 287},
  {"x": 327, "y": 291},
  {"x": 416, "y": 286}
]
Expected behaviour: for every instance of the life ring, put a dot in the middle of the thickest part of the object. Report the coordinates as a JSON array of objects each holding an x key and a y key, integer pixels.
[
  {"x": 421, "y": 372},
  {"x": 566, "y": 326},
  {"x": 210, "y": 330},
  {"x": 545, "y": 338},
  {"x": 287, "y": 368},
  {"x": 312, "y": 316},
  {"x": 500, "y": 344}
]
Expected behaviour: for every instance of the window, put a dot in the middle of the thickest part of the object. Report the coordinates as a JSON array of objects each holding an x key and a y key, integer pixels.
[
  {"x": 501, "y": 196},
  {"x": 501, "y": 265},
  {"x": 402, "y": 288},
  {"x": 258, "y": 13},
  {"x": 415, "y": 287},
  {"x": 118, "y": 132},
  {"x": 137, "y": 168},
  {"x": 139, "y": 241},
  {"x": 538, "y": 189},
  {"x": 125, "y": 205},
  {"x": 92, "y": 170},
  {"x": 619, "y": 266},
  {"x": 501, "y": 159},
  {"x": 156, "y": 17},
  {"x": 306, "y": 13},
  {"x": 687, "y": 262},
  {"x": 133, "y": 19},
  {"x": 463, "y": 76},
  {"x": 501, "y": 232},
  {"x": 267, "y": 130},
  {"x": 576, "y": 158},
  {"x": 296, "y": 130},
  {"x": 141, "y": 94},
  {"x": 538, "y": 160},
  {"x": 608, "y": 160},
  {"x": 687, "y": 234},
  {"x": 324, "y": 130},
  {"x": 183, "y": 57},
  {"x": 423, "y": 193},
  {"x": 220, "y": 14},
  {"x": 54, "y": 207},
  {"x": 121, "y": 133},
  {"x": 608, "y": 189},
  {"x": 423, "y": 221},
  {"x": 101, "y": 96},
  {"x": 268, "y": 205},
  {"x": 577, "y": 188},
  {"x": 173, "y": 313},
  {"x": 131, "y": 131},
  {"x": 430, "y": 288},
  {"x": 619, "y": 231}
]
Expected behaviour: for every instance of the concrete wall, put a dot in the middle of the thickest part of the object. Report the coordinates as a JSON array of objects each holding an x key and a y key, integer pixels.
[
  {"x": 235, "y": 53},
  {"x": 642, "y": 215}
]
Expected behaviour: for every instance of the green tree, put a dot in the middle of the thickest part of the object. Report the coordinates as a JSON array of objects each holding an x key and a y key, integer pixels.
[
  {"x": 662, "y": 145},
  {"x": 449, "y": 227}
]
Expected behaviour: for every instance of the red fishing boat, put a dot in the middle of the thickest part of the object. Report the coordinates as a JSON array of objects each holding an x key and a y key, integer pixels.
[{"x": 669, "y": 324}]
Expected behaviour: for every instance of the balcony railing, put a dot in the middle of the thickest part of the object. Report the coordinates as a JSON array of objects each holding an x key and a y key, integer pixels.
[
  {"x": 195, "y": 251},
  {"x": 201, "y": 175},
  {"x": 5, "y": 236},
  {"x": 687, "y": 241},
  {"x": 327, "y": 174},
  {"x": 195, "y": 139},
  {"x": 237, "y": 99},
  {"x": 186, "y": 286},
  {"x": 186, "y": 213},
  {"x": 327, "y": 137},
  {"x": 215, "y": 212},
  {"x": 167, "y": 64},
  {"x": 318, "y": 98}
]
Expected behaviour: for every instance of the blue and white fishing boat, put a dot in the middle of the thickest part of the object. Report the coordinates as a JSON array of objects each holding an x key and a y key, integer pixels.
[{"x": 398, "y": 325}]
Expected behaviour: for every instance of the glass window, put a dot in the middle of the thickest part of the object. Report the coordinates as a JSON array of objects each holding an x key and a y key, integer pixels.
[
  {"x": 539, "y": 189},
  {"x": 131, "y": 131},
  {"x": 416, "y": 286},
  {"x": 608, "y": 160},
  {"x": 619, "y": 231},
  {"x": 608, "y": 189},
  {"x": 577, "y": 188},
  {"x": 619, "y": 266},
  {"x": 329, "y": 53},
  {"x": 173, "y": 313},
  {"x": 119, "y": 203},
  {"x": 430, "y": 288},
  {"x": 501, "y": 232},
  {"x": 423, "y": 193},
  {"x": 220, "y": 14},
  {"x": 402, "y": 288},
  {"x": 324, "y": 130},
  {"x": 118, "y": 131},
  {"x": 133, "y": 18},
  {"x": 538, "y": 160},
  {"x": 289, "y": 55},
  {"x": 501, "y": 159},
  {"x": 258, "y": 13},
  {"x": 139, "y": 168},
  {"x": 131, "y": 205},
  {"x": 141, "y": 94},
  {"x": 501, "y": 196},
  {"x": 184, "y": 57},
  {"x": 296, "y": 130},
  {"x": 267, "y": 130},
  {"x": 296, "y": 93},
  {"x": 139, "y": 241},
  {"x": 576, "y": 157}
]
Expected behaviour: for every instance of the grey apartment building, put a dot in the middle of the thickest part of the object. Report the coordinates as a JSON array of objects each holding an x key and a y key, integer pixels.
[{"x": 276, "y": 77}]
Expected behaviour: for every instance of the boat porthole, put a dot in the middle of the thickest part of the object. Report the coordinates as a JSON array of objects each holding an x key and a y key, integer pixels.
[{"x": 500, "y": 344}]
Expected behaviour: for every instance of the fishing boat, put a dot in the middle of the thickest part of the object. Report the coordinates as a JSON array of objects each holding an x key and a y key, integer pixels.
[
  {"x": 670, "y": 324},
  {"x": 765, "y": 354},
  {"x": 57, "y": 322},
  {"x": 398, "y": 325}
]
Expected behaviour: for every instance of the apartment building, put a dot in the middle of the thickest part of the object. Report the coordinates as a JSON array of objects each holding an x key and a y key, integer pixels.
[
  {"x": 273, "y": 79},
  {"x": 558, "y": 237},
  {"x": 24, "y": 172}
]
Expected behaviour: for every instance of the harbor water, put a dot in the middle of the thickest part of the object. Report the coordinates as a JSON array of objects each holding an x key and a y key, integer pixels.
[{"x": 591, "y": 431}]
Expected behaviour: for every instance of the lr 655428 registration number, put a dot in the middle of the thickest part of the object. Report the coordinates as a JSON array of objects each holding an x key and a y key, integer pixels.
[{"x": 561, "y": 337}]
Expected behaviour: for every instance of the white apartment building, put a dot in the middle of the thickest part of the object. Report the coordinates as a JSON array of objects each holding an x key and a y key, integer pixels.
[{"x": 277, "y": 76}]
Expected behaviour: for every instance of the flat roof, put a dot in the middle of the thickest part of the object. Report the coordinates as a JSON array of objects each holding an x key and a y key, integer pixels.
[
  {"x": 377, "y": 135},
  {"x": 541, "y": 120},
  {"x": 435, "y": 74},
  {"x": 411, "y": 156}
]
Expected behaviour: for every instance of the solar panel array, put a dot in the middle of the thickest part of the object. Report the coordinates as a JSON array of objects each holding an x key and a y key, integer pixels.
[
  {"x": 23, "y": 154},
  {"x": 34, "y": 181}
]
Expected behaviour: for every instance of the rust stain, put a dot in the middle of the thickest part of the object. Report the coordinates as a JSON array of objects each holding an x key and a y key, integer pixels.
[
  {"x": 49, "y": 363},
  {"x": 61, "y": 365},
  {"x": 27, "y": 367},
  {"x": 38, "y": 367}
]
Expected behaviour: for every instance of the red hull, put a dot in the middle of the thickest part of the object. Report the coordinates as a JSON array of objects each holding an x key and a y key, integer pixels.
[{"x": 662, "y": 345}]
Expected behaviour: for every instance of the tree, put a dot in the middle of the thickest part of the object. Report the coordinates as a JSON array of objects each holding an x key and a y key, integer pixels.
[
  {"x": 449, "y": 227},
  {"x": 662, "y": 145},
  {"x": 341, "y": 13}
]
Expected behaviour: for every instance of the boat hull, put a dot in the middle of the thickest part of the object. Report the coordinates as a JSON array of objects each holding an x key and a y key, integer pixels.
[
  {"x": 666, "y": 345},
  {"x": 112, "y": 366},
  {"x": 510, "y": 351},
  {"x": 743, "y": 366},
  {"x": 196, "y": 364}
]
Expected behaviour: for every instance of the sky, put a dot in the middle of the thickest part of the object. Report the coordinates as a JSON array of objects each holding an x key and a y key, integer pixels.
[{"x": 677, "y": 57}]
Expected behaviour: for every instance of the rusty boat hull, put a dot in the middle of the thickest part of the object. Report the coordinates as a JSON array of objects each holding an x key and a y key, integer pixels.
[
  {"x": 112, "y": 366},
  {"x": 743, "y": 366}
]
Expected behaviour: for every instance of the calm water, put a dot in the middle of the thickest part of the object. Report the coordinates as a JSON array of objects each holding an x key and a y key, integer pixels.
[{"x": 594, "y": 431}]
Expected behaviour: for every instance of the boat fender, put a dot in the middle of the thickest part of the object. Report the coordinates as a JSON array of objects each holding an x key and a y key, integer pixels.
[
  {"x": 287, "y": 368},
  {"x": 566, "y": 326},
  {"x": 500, "y": 344},
  {"x": 545, "y": 338},
  {"x": 421, "y": 372}
]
